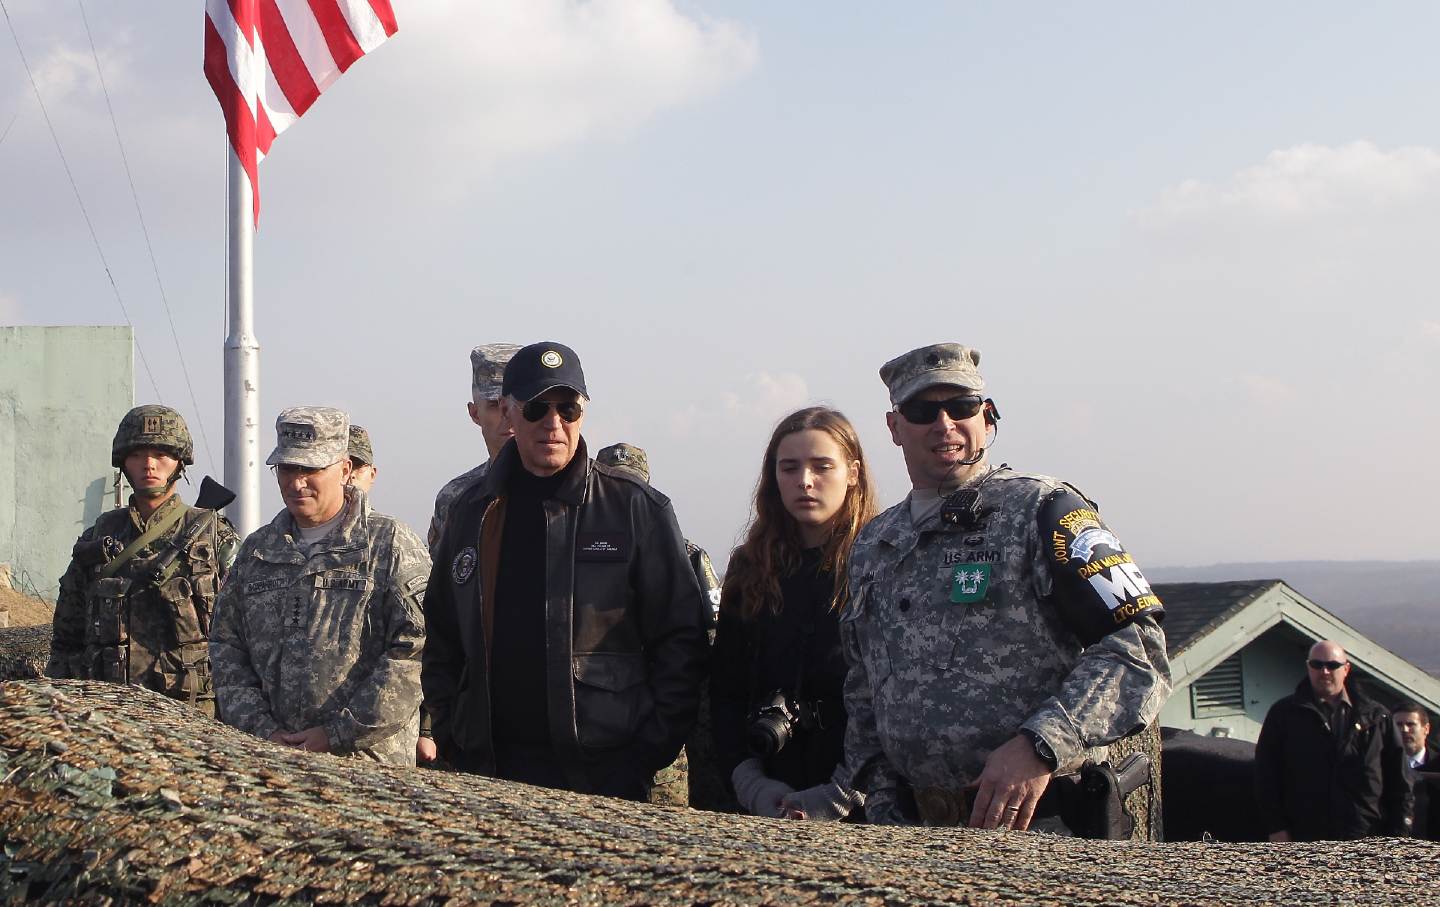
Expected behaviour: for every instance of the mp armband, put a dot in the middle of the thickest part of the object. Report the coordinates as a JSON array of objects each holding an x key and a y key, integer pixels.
[{"x": 1098, "y": 588}]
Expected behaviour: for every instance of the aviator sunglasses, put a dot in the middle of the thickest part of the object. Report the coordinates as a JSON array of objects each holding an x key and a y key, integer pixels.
[
  {"x": 923, "y": 412},
  {"x": 1319, "y": 665},
  {"x": 535, "y": 410}
]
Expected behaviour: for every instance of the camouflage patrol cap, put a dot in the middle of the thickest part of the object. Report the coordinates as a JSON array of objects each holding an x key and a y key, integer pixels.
[
  {"x": 360, "y": 449},
  {"x": 628, "y": 457},
  {"x": 152, "y": 425},
  {"x": 310, "y": 436},
  {"x": 929, "y": 366},
  {"x": 487, "y": 369}
]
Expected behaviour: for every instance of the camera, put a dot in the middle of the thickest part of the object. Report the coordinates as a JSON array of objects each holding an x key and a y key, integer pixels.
[{"x": 775, "y": 720}]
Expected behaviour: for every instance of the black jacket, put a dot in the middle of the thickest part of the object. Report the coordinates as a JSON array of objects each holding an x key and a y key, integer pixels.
[
  {"x": 625, "y": 629},
  {"x": 1331, "y": 783},
  {"x": 754, "y": 658}
]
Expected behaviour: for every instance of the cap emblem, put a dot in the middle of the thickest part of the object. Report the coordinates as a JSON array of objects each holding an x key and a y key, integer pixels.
[
  {"x": 150, "y": 425},
  {"x": 551, "y": 359},
  {"x": 297, "y": 432}
]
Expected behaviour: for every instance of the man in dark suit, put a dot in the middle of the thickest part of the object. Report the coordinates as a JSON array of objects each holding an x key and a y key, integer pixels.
[{"x": 1413, "y": 724}]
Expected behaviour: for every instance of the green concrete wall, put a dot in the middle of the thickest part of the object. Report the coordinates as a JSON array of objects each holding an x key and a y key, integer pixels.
[{"x": 62, "y": 392}]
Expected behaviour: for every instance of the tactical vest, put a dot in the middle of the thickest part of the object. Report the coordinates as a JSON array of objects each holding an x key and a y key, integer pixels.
[{"x": 148, "y": 623}]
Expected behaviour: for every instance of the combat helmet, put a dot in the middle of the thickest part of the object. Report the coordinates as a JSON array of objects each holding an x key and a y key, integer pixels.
[{"x": 152, "y": 425}]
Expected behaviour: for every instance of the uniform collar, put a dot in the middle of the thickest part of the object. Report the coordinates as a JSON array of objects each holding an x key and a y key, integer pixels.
[{"x": 170, "y": 502}]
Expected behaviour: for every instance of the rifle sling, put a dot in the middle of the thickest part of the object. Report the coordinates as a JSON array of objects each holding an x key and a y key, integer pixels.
[{"x": 156, "y": 529}]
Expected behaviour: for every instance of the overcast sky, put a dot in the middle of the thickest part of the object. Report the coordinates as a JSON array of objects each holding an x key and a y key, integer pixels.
[{"x": 1197, "y": 244}]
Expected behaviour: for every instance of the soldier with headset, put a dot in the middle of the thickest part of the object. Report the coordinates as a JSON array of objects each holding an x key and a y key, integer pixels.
[
  {"x": 999, "y": 635},
  {"x": 136, "y": 601}
]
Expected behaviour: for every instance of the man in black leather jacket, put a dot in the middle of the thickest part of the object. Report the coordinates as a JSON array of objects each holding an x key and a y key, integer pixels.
[
  {"x": 567, "y": 630},
  {"x": 1329, "y": 765}
]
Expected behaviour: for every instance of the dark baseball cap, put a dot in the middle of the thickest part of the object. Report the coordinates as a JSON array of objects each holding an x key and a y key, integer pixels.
[{"x": 537, "y": 368}]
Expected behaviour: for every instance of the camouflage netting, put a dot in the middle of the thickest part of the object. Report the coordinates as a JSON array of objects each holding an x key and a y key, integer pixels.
[
  {"x": 116, "y": 795},
  {"x": 23, "y": 652}
]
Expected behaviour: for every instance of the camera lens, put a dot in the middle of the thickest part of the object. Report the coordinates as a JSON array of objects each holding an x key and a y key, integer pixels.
[{"x": 767, "y": 734}]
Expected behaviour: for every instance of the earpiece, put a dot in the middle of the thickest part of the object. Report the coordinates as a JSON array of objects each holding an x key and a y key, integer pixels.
[{"x": 992, "y": 412}]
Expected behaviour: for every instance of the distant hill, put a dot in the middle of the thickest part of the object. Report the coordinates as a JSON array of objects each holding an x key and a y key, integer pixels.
[{"x": 1395, "y": 603}]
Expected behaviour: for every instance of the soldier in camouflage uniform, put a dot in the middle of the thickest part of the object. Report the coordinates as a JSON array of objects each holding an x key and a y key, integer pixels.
[
  {"x": 487, "y": 368},
  {"x": 997, "y": 630},
  {"x": 318, "y": 631},
  {"x": 673, "y": 783},
  {"x": 362, "y": 460},
  {"x": 140, "y": 613}
]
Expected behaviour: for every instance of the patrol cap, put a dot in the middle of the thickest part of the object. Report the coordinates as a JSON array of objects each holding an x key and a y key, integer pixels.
[
  {"x": 929, "y": 366},
  {"x": 537, "y": 368},
  {"x": 487, "y": 369},
  {"x": 360, "y": 449},
  {"x": 310, "y": 436},
  {"x": 627, "y": 457}
]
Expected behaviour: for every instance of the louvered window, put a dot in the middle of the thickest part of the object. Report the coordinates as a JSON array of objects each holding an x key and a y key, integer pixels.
[{"x": 1221, "y": 691}]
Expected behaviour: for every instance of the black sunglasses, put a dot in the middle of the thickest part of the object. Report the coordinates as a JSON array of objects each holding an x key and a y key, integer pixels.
[
  {"x": 923, "y": 412},
  {"x": 1318, "y": 665},
  {"x": 535, "y": 410}
]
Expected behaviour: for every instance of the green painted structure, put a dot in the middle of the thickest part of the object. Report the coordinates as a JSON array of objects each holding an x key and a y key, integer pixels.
[
  {"x": 62, "y": 392},
  {"x": 1235, "y": 648}
]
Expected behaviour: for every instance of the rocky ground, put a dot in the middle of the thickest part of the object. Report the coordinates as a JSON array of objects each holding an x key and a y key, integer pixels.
[{"x": 116, "y": 795}]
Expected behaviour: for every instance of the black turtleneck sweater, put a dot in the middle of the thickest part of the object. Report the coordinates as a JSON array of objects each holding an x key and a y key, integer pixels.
[{"x": 517, "y": 669}]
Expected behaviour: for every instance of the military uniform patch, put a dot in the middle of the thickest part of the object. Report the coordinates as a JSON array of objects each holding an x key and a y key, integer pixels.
[
  {"x": 463, "y": 567},
  {"x": 969, "y": 583}
]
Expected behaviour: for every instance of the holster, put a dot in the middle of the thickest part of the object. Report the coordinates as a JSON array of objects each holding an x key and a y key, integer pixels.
[{"x": 1092, "y": 802}]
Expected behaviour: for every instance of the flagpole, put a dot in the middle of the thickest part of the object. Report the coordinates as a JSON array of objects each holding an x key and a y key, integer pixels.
[{"x": 242, "y": 355}]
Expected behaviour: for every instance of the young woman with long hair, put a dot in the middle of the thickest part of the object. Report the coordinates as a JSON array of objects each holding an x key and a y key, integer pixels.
[{"x": 777, "y": 670}]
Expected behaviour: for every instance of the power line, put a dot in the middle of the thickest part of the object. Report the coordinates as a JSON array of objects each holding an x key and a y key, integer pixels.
[
  {"x": 78, "y": 200},
  {"x": 124, "y": 159},
  {"x": 6, "y": 133}
]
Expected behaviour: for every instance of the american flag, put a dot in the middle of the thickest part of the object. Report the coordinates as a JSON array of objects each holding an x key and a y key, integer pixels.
[{"x": 268, "y": 60}]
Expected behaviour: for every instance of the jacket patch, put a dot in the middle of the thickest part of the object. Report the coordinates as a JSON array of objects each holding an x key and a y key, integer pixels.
[
  {"x": 463, "y": 566},
  {"x": 601, "y": 546},
  {"x": 265, "y": 585},
  {"x": 349, "y": 582}
]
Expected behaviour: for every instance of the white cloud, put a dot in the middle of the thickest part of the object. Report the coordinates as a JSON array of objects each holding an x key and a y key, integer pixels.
[
  {"x": 755, "y": 407},
  {"x": 1430, "y": 330},
  {"x": 489, "y": 80},
  {"x": 1267, "y": 390},
  {"x": 1305, "y": 181}
]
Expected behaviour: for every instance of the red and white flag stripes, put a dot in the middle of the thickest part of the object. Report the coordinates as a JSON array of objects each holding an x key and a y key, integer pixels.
[{"x": 268, "y": 60}]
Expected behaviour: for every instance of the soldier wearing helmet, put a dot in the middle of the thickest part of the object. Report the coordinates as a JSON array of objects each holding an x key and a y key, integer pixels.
[{"x": 135, "y": 603}]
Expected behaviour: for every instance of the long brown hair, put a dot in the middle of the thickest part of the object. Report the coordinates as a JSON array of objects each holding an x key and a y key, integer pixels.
[{"x": 772, "y": 546}]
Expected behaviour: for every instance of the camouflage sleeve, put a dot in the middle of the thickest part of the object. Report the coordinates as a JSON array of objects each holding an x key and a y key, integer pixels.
[
  {"x": 1115, "y": 689},
  {"x": 67, "y": 632},
  {"x": 864, "y": 767},
  {"x": 227, "y": 545},
  {"x": 385, "y": 700},
  {"x": 437, "y": 523},
  {"x": 240, "y": 701}
]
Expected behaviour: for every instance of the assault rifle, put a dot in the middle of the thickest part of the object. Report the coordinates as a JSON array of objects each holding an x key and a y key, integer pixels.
[{"x": 213, "y": 497}]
